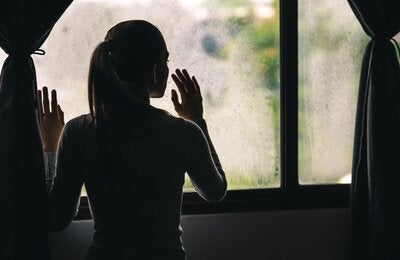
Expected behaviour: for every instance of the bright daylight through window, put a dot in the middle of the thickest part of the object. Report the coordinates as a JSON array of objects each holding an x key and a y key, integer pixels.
[
  {"x": 331, "y": 47},
  {"x": 231, "y": 46}
]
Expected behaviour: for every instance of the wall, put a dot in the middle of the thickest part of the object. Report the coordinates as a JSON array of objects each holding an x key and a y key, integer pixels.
[{"x": 301, "y": 234}]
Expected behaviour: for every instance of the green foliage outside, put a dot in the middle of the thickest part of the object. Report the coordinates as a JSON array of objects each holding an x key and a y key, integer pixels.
[{"x": 262, "y": 34}]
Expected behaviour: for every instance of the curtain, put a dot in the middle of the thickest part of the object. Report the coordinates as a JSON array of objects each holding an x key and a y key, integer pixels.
[
  {"x": 24, "y": 26},
  {"x": 375, "y": 189}
]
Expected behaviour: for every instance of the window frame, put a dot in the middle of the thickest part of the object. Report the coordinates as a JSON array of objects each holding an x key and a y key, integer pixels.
[{"x": 290, "y": 195}]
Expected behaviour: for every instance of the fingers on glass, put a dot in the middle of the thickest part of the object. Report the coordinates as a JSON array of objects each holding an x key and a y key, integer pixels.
[
  {"x": 175, "y": 100},
  {"x": 196, "y": 85},
  {"x": 185, "y": 78},
  {"x": 185, "y": 82},
  {"x": 179, "y": 84},
  {"x": 54, "y": 104},
  {"x": 46, "y": 101},
  {"x": 181, "y": 79},
  {"x": 60, "y": 114},
  {"x": 189, "y": 80},
  {"x": 39, "y": 95}
]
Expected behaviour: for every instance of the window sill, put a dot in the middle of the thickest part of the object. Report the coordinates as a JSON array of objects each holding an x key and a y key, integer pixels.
[{"x": 303, "y": 197}]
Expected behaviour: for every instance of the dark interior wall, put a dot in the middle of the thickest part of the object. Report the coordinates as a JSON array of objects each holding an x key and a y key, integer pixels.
[{"x": 321, "y": 234}]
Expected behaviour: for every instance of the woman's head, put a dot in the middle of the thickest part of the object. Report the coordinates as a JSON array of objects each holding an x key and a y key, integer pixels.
[{"x": 128, "y": 67}]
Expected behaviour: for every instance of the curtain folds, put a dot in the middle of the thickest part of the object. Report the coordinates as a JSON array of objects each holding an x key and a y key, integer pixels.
[
  {"x": 24, "y": 26},
  {"x": 375, "y": 195}
]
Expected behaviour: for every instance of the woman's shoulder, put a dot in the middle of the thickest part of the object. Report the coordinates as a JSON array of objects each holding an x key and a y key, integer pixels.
[
  {"x": 166, "y": 118},
  {"x": 79, "y": 121},
  {"x": 184, "y": 124},
  {"x": 197, "y": 128},
  {"x": 178, "y": 125},
  {"x": 189, "y": 128},
  {"x": 78, "y": 125}
]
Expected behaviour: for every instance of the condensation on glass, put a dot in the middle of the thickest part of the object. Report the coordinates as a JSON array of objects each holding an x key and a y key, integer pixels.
[
  {"x": 231, "y": 46},
  {"x": 331, "y": 46}
]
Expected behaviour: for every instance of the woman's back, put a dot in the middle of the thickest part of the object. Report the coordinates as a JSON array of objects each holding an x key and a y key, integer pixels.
[
  {"x": 142, "y": 177},
  {"x": 134, "y": 177}
]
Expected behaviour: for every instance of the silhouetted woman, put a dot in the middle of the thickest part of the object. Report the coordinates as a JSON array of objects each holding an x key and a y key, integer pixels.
[{"x": 131, "y": 156}]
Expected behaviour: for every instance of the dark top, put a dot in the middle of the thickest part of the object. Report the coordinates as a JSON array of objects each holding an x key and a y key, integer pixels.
[{"x": 134, "y": 177}]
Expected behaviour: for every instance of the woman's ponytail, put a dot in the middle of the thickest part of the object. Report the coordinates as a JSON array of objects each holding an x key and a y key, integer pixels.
[
  {"x": 105, "y": 84},
  {"x": 100, "y": 77}
]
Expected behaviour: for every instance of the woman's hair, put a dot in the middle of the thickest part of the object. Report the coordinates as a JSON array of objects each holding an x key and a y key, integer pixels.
[
  {"x": 121, "y": 64},
  {"x": 119, "y": 67}
]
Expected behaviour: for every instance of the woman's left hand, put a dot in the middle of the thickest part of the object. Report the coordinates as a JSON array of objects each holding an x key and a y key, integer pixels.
[
  {"x": 51, "y": 122},
  {"x": 191, "y": 107}
]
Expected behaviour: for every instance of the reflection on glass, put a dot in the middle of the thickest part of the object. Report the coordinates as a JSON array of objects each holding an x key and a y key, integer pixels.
[
  {"x": 331, "y": 45},
  {"x": 231, "y": 46}
]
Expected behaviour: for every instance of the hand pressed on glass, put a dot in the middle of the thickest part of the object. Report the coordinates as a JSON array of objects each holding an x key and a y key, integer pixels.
[
  {"x": 191, "y": 107},
  {"x": 51, "y": 122}
]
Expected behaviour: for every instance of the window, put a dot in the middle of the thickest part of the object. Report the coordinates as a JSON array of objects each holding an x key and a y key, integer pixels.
[
  {"x": 231, "y": 46},
  {"x": 331, "y": 46},
  {"x": 279, "y": 80}
]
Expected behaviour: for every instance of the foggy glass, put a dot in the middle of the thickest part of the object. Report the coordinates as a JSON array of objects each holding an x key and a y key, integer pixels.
[
  {"x": 220, "y": 42},
  {"x": 331, "y": 46}
]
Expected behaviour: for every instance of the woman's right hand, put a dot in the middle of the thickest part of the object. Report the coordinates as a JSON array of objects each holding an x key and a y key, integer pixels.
[
  {"x": 191, "y": 107},
  {"x": 51, "y": 122}
]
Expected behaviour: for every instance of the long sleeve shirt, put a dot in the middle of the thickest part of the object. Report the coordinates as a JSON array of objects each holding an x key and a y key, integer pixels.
[{"x": 134, "y": 178}]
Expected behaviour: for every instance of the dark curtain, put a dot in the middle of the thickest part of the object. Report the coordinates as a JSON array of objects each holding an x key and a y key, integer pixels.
[
  {"x": 24, "y": 26},
  {"x": 375, "y": 189}
]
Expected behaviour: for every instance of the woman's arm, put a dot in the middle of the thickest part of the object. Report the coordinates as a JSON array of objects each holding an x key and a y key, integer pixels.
[
  {"x": 64, "y": 196},
  {"x": 204, "y": 167},
  {"x": 49, "y": 159},
  {"x": 63, "y": 177}
]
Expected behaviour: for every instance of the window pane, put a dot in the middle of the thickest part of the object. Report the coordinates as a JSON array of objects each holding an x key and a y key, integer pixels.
[
  {"x": 397, "y": 37},
  {"x": 331, "y": 45},
  {"x": 231, "y": 46},
  {"x": 3, "y": 57}
]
